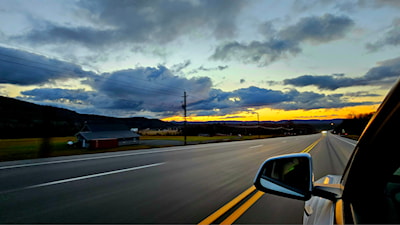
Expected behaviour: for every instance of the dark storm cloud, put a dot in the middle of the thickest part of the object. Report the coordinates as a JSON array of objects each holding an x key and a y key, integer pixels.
[
  {"x": 56, "y": 94},
  {"x": 51, "y": 33},
  {"x": 24, "y": 68},
  {"x": 160, "y": 91},
  {"x": 325, "y": 82},
  {"x": 151, "y": 89},
  {"x": 217, "y": 102},
  {"x": 223, "y": 103},
  {"x": 318, "y": 29},
  {"x": 157, "y": 21},
  {"x": 385, "y": 74},
  {"x": 262, "y": 53},
  {"x": 287, "y": 41},
  {"x": 154, "y": 89},
  {"x": 254, "y": 96}
]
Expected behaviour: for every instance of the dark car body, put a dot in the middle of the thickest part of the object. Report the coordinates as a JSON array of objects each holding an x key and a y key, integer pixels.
[{"x": 368, "y": 192}]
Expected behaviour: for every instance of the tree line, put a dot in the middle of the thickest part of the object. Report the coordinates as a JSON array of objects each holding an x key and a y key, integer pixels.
[{"x": 354, "y": 125}]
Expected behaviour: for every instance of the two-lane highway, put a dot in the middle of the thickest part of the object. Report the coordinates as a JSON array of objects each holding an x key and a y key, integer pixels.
[{"x": 184, "y": 184}]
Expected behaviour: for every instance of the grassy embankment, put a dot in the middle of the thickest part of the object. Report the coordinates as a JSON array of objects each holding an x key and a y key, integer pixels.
[
  {"x": 353, "y": 136},
  {"x": 28, "y": 148}
]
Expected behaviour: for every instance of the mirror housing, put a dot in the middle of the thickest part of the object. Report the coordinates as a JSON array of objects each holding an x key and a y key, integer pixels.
[{"x": 288, "y": 175}]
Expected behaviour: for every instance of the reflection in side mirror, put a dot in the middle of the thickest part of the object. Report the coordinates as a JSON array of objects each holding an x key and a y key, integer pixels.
[{"x": 287, "y": 175}]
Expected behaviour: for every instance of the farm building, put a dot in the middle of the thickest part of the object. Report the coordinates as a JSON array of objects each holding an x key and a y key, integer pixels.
[{"x": 95, "y": 136}]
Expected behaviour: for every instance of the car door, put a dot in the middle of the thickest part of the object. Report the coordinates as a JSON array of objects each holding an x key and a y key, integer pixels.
[{"x": 371, "y": 179}]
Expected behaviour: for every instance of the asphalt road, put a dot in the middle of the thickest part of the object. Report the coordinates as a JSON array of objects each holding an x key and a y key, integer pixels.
[{"x": 184, "y": 184}]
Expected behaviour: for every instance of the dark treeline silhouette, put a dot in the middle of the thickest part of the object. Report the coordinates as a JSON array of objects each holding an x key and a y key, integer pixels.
[
  {"x": 215, "y": 129},
  {"x": 20, "y": 119},
  {"x": 354, "y": 125}
]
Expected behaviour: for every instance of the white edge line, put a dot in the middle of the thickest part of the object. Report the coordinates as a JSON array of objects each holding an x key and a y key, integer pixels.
[
  {"x": 143, "y": 152},
  {"x": 90, "y": 158},
  {"x": 256, "y": 146},
  {"x": 92, "y": 176},
  {"x": 348, "y": 142}
]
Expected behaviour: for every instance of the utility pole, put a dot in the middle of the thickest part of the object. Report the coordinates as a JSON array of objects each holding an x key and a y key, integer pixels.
[
  {"x": 185, "y": 114},
  {"x": 258, "y": 124}
]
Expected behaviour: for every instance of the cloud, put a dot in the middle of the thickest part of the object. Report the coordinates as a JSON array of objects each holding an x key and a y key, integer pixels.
[
  {"x": 207, "y": 69},
  {"x": 287, "y": 41},
  {"x": 223, "y": 103},
  {"x": 312, "y": 100},
  {"x": 25, "y": 68},
  {"x": 143, "y": 89},
  {"x": 318, "y": 29},
  {"x": 391, "y": 38},
  {"x": 361, "y": 94},
  {"x": 105, "y": 23},
  {"x": 52, "y": 94},
  {"x": 385, "y": 74},
  {"x": 154, "y": 89},
  {"x": 323, "y": 82},
  {"x": 159, "y": 92},
  {"x": 262, "y": 53},
  {"x": 239, "y": 99},
  {"x": 345, "y": 6},
  {"x": 378, "y": 3},
  {"x": 180, "y": 66}
]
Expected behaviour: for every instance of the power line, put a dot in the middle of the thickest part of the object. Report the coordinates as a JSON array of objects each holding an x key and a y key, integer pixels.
[{"x": 166, "y": 89}]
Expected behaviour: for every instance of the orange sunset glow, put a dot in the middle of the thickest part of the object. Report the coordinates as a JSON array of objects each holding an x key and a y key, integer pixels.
[{"x": 268, "y": 114}]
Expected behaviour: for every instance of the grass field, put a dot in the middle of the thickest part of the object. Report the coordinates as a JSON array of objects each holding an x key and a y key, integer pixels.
[
  {"x": 201, "y": 138},
  {"x": 28, "y": 148}
]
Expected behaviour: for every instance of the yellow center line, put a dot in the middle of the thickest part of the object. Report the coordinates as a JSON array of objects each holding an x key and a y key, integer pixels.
[
  {"x": 308, "y": 149},
  {"x": 243, "y": 208},
  {"x": 227, "y": 207}
]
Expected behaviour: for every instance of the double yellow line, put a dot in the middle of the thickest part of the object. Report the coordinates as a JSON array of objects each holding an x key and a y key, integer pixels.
[
  {"x": 240, "y": 198},
  {"x": 308, "y": 149},
  {"x": 238, "y": 212}
]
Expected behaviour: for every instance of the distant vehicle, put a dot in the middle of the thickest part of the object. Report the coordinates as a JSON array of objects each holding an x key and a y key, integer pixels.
[{"x": 368, "y": 192}]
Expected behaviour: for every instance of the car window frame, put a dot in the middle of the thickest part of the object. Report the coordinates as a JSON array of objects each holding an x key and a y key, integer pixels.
[{"x": 372, "y": 162}]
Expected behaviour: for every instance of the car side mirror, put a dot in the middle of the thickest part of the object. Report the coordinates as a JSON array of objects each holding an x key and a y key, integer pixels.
[{"x": 286, "y": 175}]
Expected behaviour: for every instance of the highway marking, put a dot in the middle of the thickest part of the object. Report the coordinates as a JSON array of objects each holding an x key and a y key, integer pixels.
[
  {"x": 239, "y": 212},
  {"x": 256, "y": 146},
  {"x": 245, "y": 205},
  {"x": 221, "y": 211},
  {"x": 308, "y": 149},
  {"x": 92, "y": 176},
  {"x": 91, "y": 158},
  {"x": 342, "y": 139}
]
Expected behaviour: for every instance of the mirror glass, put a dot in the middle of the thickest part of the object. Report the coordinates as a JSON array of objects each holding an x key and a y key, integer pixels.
[
  {"x": 291, "y": 172},
  {"x": 287, "y": 175}
]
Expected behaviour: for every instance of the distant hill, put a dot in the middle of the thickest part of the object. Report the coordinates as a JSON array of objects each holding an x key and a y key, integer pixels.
[{"x": 20, "y": 119}]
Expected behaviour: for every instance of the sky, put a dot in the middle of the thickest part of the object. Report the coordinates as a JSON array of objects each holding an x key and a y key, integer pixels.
[{"x": 235, "y": 60}]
